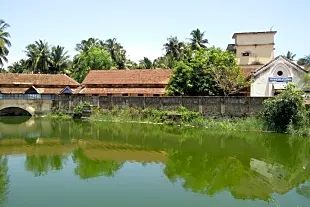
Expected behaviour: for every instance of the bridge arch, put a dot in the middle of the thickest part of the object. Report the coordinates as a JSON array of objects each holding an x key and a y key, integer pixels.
[{"x": 17, "y": 110}]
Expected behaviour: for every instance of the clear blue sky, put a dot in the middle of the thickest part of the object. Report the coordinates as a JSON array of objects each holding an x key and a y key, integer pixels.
[{"x": 142, "y": 26}]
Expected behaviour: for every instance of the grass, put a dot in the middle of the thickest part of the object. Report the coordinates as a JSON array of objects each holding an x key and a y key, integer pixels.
[
  {"x": 182, "y": 116},
  {"x": 59, "y": 116}
]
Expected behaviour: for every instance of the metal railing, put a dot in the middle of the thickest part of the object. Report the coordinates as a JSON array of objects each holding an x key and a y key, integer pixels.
[{"x": 26, "y": 96}]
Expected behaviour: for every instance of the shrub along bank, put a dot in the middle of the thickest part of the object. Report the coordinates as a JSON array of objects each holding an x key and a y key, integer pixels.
[
  {"x": 182, "y": 116},
  {"x": 284, "y": 113}
]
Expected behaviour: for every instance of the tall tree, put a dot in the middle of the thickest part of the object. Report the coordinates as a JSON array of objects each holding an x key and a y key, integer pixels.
[
  {"x": 164, "y": 62},
  {"x": 18, "y": 67},
  {"x": 305, "y": 61},
  {"x": 38, "y": 56},
  {"x": 85, "y": 45},
  {"x": 145, "y": 63},
  {"x": 4, "y": 42},
  {"x": 117, "y": 52},
  {"x": 174, "y": 48},
  {"x": 289, "y": 55},
  {"x": 198, "y": 40},
  {"x": 95, "y": 58},
  {"x": 58, "y": 61},
  {"x": 204, "y": 74}
]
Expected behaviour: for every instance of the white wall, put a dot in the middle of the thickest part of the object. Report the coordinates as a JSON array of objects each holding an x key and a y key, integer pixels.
[{"x": 261, "y": 87}]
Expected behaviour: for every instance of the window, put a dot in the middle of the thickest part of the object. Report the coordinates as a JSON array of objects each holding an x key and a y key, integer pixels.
[
  {"x": 125, "y": 94},
  {"x": 109, "y": 94},
  {"x": 156, "y": 95},
  {"x": 140, "y": 94},
  {"x": 280, "y": 73},
  {"x": 245, "y": 54}
]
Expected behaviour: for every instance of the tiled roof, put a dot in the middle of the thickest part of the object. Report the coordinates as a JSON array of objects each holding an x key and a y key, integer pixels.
[
  {"x": 13, "y": 90},
  {"x": 36, "y": 79},
  {"x": 247, "y": 72},
  {"x": 151, "y": 76},
  {"x": 122, "y": 91},
  {"x": 17, "y": 90}
]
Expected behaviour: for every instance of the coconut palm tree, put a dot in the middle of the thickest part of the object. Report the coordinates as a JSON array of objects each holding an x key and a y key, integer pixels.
[
  {"x": 38, "y": 57},
  {"x": 117, "y": 52},
  {"x": 305, "y": 61},
  {"x": 2, "y": 70},
  {"x": 197, "y": 40},
  {"x": 85, "y": 45},
  {"x": 18, "y": 67},
  {"x": 4, "y": 42},
  {"x": 58, "y": 61},
  {"x": 164, "y": 62},
  {"x": 289, "y": 55},
  {"x": 174, "y": 47},
  {"x": 145, "y": 63}
]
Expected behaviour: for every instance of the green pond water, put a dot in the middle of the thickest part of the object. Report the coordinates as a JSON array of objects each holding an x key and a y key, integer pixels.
[{"x": 65, "y": 163}]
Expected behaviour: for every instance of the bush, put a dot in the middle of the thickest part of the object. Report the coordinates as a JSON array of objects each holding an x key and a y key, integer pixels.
[
  {"x": 284, "y": 111},
  {"x": 78, "y": 109}
]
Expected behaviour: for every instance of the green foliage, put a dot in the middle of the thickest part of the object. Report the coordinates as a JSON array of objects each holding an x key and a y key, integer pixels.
[
  {"x": 305, "y": 61},
  {"x": 78, "y": 109},
  {"x": 197, "y": 39},
  {"x": 207, "y": 72},
  {"x": 285, "y": 111},
  {"x": 289, "y": 55},
  {"x": 181, "y": 116},
  {"x": 88, "y": 168},
  {"x": 145, "y": 63},
  {"x": 4, "y": 42},
  {"x": 95, "y": 58},
  {"x": 58, "y": 116},
  {"x": 18, "y": 67},
  {"x": 41, "y": 164},
  {"x": 58, "y": 61},
  {"x": 4, "y": 179}
]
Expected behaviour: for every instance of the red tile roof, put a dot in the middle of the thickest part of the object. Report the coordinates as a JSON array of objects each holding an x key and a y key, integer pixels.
[
  {"x": 13, "y": 90},
  {"x": 151, "y": 76},
  {"x": 122, "y": 91},
  {"x": 17, "y": 90},
  {"x": 247, "y": 72},
  {"x": 37, "y": 79}
]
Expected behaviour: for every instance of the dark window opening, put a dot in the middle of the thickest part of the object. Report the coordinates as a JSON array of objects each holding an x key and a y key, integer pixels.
[
  {"x": 109, "y": 94},
  {"x": 125, "y": 94},
  {"x": 140, "y": 94},
  {"x": 280, "y": 73},
  {"x": 156, "y": 95},
  {"x": 245, "y": 54}
]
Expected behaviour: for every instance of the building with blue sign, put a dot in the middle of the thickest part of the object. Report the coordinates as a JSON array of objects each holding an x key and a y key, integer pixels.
[{"x": 273, "y": 77}]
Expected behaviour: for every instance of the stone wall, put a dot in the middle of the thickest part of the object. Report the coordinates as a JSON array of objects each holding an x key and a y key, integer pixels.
[{"x": 208, "y": 106}]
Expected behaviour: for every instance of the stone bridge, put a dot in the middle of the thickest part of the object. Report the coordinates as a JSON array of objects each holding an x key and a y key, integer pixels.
[{"x": 26, "y": 104}]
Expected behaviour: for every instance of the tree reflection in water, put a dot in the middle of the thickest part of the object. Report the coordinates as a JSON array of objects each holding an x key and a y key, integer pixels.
[
  {"x": 42, "y": 164},
  {"x": 4, "y": 179},
  {"x": 88, "y": 168}
]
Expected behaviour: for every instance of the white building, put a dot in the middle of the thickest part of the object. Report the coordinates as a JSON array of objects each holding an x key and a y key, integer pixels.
[{"x": 268, "y": 80}]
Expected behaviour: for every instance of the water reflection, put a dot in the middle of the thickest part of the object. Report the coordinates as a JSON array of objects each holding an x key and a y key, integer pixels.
[
  {"x": 248, "y": 165},
  {"x": 4, "y": 179},
  {"x": 41, "y": 164},
  {"x": 89, "y": 168}
]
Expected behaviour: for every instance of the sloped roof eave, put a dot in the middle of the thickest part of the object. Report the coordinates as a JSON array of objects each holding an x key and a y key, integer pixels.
[{"x": 266, "y": 66}]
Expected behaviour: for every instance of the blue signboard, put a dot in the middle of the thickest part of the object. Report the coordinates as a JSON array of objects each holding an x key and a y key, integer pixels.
[{"x": 289, "y": 79}]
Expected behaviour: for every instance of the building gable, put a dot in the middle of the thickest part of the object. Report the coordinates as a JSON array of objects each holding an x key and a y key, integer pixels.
[
  {"x": 66, "y": 90},
  {"x": 32, "y": 90},
  {"x": 280, "y": 66}
]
